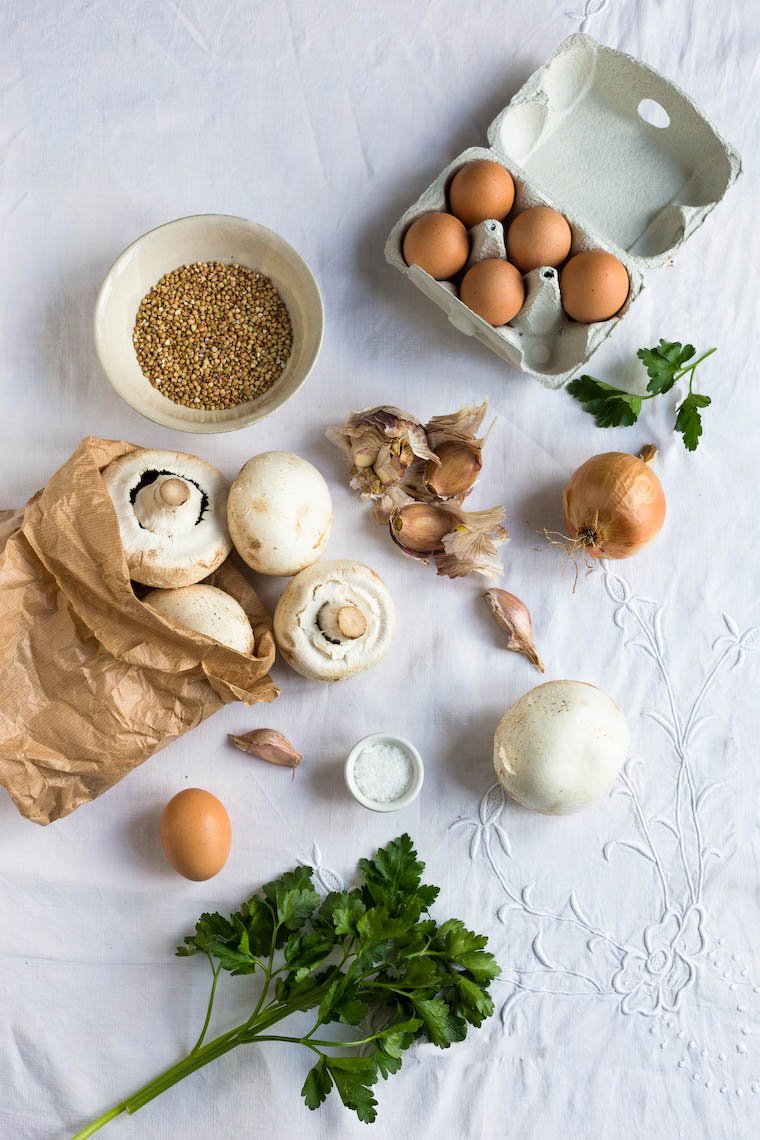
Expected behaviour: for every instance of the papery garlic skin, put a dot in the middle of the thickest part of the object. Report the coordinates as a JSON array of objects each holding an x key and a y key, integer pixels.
[
  {"x": 382, "y": 443},
  {"x": 306, "y": 622}
]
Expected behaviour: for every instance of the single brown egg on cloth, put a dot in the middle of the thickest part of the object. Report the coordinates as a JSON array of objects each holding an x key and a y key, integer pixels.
[
  {"x": 438, "y": 243},
  {"x": 196, "y": 834},
  {"x": 594, "y": 286},
  {"x": 481, "y": 190},
  {"x": 538, "y": 237},
  {"x": 494, "y": 290}
]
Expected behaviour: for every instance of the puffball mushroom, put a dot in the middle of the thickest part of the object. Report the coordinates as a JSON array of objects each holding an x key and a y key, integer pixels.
[
  {"x": 560, "y": 747},
  {"x": 335, "y": 619},
  {"x": 171, "y": 509},
  {"x": 279, "y": 513},
  {"x": 207, "y": 610}
]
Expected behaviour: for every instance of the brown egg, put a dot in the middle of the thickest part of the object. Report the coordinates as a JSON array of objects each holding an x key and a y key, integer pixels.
[
  {"x": 438, "y": 243},
  {"x": 494, "y": 290},
  {"x": 594, "y": 286},
  {"x": 538, "y": 236},
  {"x": 196, "y": 834},
  {"x": 480, "y": 190}
]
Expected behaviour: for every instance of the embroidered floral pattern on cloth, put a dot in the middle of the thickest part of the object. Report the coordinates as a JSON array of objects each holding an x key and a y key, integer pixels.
[{"x": 651, "y": 974}]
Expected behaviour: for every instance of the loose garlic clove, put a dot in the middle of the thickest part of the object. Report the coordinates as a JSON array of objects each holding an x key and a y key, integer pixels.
[
  {"x": 514, "y": 618},
  {"x": 266, "y": 744},
  {"x": 420, "y": 528},
  {"x": 457, "y": 470}
]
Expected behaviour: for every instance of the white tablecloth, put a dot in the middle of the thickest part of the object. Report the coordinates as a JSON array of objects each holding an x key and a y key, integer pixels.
[{"x": 323, "y": 120}]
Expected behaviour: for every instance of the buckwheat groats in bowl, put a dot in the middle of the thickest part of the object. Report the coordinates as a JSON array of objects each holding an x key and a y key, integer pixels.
[{"x": 212, "y": 335}]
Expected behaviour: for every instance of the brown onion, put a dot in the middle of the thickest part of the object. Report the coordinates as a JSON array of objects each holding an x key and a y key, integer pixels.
[{"x": 614, "y": 504}]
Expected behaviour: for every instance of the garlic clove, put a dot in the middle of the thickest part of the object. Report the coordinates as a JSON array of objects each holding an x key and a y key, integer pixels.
[
  {"x": 457, "y": 470},
  {"x": 266, "y": 744},
  {"x": 420, "y": 528},
  {"x": 514, "y": 618}
]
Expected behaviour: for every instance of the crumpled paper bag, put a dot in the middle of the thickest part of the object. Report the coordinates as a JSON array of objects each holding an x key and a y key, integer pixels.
[{"x": 92, "y": 682}]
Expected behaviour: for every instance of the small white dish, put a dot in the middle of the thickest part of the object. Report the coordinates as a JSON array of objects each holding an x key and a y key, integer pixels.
[
  {"x": 204, "y": 237},
  {"x": 418, "y": 772}
]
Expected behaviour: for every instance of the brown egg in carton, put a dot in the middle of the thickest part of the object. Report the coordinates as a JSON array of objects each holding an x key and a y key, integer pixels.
[{"x": 622, "y": 154}]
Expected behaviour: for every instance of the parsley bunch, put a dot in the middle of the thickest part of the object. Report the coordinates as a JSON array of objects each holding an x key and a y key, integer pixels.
[
  {"x": 368, "y": 958},
  {"x": 666, "y": 364}
]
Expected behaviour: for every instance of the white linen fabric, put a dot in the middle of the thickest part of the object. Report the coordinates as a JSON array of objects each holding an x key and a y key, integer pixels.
[{"x": 628, "y": 936}]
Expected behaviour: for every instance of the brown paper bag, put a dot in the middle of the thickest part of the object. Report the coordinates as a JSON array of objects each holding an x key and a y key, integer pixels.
[{"x": 92, "y": 682}]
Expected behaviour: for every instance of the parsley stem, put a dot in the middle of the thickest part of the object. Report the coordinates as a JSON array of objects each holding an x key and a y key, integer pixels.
[{"x": 216, "y": 971}]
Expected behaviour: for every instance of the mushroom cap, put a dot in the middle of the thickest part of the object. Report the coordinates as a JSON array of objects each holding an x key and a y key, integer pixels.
[
  {"x": 559, "y": 748},
  {"x": 279, "y": 513},
  {"x": 316, "y": 625},
  {"x": 207, "y": 610},
  {"x": 172, "y": 535}
]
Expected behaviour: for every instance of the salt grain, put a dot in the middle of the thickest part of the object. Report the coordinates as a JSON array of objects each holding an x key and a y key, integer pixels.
[{"x": 383, "y": 772}]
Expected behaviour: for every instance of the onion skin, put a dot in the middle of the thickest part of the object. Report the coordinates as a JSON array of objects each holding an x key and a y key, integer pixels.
[{"x": 614, "y": 505}]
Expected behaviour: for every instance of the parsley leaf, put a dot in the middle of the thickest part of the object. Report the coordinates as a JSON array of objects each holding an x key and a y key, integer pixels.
[
  {"x": 317, "y": 1085},
  {"x": 370, "y": 958},
  {"x": 353, "y": 1077},
  {"x": 663, "y": 363},
  {"x": 666, "y": 363},
  {"x": 610, "y": 406},
  {"x": 442, "y": 1026},
  {"x": 394, "y": 875},
  {"x": 689, "y": 421}
]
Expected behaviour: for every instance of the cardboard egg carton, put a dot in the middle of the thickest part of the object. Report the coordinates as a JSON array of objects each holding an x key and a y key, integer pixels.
[{"x": 623, "y": 154}]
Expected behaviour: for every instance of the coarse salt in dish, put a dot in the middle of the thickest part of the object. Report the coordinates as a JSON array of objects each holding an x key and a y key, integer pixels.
[{"x": 384, "y": 772}]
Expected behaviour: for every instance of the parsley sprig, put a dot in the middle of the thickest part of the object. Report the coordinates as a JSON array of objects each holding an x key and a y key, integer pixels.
[
  {"x": 369, "y": 959},
  {"x": 666, "y": 364}
]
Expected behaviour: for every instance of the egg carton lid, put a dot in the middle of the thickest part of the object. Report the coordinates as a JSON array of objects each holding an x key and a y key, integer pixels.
[{"x": 619, "y": 146}]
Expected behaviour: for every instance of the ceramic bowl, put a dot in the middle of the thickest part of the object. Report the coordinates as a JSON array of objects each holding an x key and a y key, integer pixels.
[
  {"x": 204, "y": 237},
  {"x": 417, "y": 777}
]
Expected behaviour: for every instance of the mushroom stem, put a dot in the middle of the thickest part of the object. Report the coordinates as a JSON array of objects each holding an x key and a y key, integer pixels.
[
  {"x": 341, "y": 621},
  {"x": 351, "y": 622},
  {"x": 173, "y": 491}
]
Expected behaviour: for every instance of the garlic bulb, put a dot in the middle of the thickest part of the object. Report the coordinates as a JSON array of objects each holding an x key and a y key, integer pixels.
[
  {"x": 416, "y": 477},
  {"x": 514, "y": 618},
  {"x": 382, "y": 443}
]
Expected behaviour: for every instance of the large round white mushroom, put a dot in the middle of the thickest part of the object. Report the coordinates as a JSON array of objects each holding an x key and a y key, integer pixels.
[
  {"x": 279, "y": 513},
  {"x": 172, "y": 512},
  {"x": 560, "y": 747},
  {"x": 206, "y": 610},
  {"x": 333, "y": 620}
]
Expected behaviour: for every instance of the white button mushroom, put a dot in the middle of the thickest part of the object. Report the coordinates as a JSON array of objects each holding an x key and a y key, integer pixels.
[
  {"x": 559, "y": 748},
  {"x": 333, "y": 620},
  {"x": 171, "y": 509},
  {"x": 207, "y": 610},
  {"x": 279, "y": 513}
]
